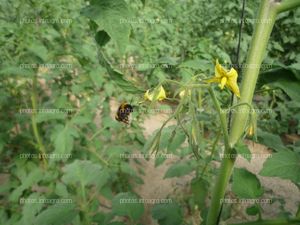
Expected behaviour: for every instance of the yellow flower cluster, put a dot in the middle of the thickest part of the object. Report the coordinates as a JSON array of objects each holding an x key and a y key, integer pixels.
[{"x": 226, "y": 78}]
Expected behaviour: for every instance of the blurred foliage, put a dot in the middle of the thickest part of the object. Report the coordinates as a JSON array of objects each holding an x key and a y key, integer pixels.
[{"x": 78, "y": 55}]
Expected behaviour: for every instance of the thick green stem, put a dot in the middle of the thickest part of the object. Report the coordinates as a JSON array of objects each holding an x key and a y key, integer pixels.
[
  {"x": 264, "y": 25},
  {"x": 271, "y": 222},
  {"x": 286, "y": 5}
]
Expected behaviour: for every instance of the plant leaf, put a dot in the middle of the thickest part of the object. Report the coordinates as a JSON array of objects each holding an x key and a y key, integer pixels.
[
  {"x": 284, "y": 164},
  {"x": 246, "y": 184}
]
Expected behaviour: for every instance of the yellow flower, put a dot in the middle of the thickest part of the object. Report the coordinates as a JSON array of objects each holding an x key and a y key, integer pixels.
[
  {"x": 161, "y": 95},
  {"x": 226, "y": 78},
  {"x": 250, "y": 131},
  {"x": 184, "y": 92}
]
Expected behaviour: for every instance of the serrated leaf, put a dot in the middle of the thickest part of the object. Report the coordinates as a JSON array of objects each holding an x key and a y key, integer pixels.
[
  {"x": 30, "y": 211},
  {"x": 118, "y": 77},
  {"x": 177, "y": 141},
  {"x": 159, "y": 161},
  {"x": 59, "y": 214},
  {"x": 112, "y": 17},
  {"x": 245, "y": 184},
  {"x": 127, "y": 204},
  {"x": 167, "y": 214},
  {"x": 85, "y": 173},
  {"x": 96, "y": 76},
  {"x": 39, "y": 50},
  {"x": 271, "y": 140},
  {"x": 32, "y": 178},
  {"x": 284, "y": 164},
  {"x": 42, "y": 117},
  {"x": 61, "y": 190},
  {"x": 179, "y": 169},
  {"x": 80, "y": 120},
  {"x": 243, "y": 150},
  {"x": 63, "y": 141}
]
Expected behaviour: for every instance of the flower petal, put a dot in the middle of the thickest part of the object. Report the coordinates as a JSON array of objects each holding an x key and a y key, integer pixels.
[
  {"x": 162, "y": 94},
  {"x": 219, "y": 70},
  {"x": 232, "y": 74},
  {"x": 232, "y": 85},
  {"x": 223, "y": 82},
  {"x": 148, "y": 96}
]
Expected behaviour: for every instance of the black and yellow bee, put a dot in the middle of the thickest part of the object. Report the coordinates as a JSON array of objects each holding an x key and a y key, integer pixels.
[{"x": 123, "y": 113}]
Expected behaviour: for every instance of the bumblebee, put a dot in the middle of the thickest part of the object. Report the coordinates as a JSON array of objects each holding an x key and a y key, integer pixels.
[{"x": 123, "y": 113}]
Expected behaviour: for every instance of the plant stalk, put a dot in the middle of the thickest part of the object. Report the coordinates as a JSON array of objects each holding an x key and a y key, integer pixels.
[{"x": 264, "y": 24}]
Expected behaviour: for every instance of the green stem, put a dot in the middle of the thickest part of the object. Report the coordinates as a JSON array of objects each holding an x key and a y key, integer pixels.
[
  {"x": 222, "y": 117},
  {"x": 214, "y": 146},
  {"x": 265, "y": 22},
  {"x": 271, "y": 222},
  {"x": 84, "y": 205},
  {"x": 286, "y": 5},
  {"x": 35, "y": 129}
]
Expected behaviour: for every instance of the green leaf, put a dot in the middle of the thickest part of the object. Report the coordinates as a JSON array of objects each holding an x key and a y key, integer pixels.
[
  {"x": 17, "y": 71},
  {"x": 29, "y": 211},
  {"x": 39, "y": 50},
  {"x": 291, "y": 88},
  {"x": 96, "y": 76},
  {"x": 197, "y": 64},
  {"x": 245, "y": 184},
  {"x": 85, "y": 173},
  {"x": 176, "y": 141},
  {"x": 102, "y": 38},
  {"x": 159, "y": 160},
  {"x": 33, "y": 177},
  {"x": 127, "y": 204},
  {"x": 243, "y": 150},
  {"x": 284, "y": 164},
  {"x": 199, "y": 189},
  {"x": 179, "y": 169},
  {"x": 113, "y": 17},
  {"x": 59, "y": 214},
  {"x": 80, "y": 120},
  {"x": 61, "y": 190},
  {"x": 42, "y": 117},
  {"x": 118, "y": 77},
  {"x": 167, "y": 214},
  {"x": 252, "y": 210},
  {"x": 63, "y": 140},
  {"x": 271, "y": 140},
  {"x": 127, "y": 169}
]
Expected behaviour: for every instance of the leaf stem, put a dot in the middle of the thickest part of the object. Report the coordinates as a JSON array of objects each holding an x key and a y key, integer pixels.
[{"x": 35, "y": 129}]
